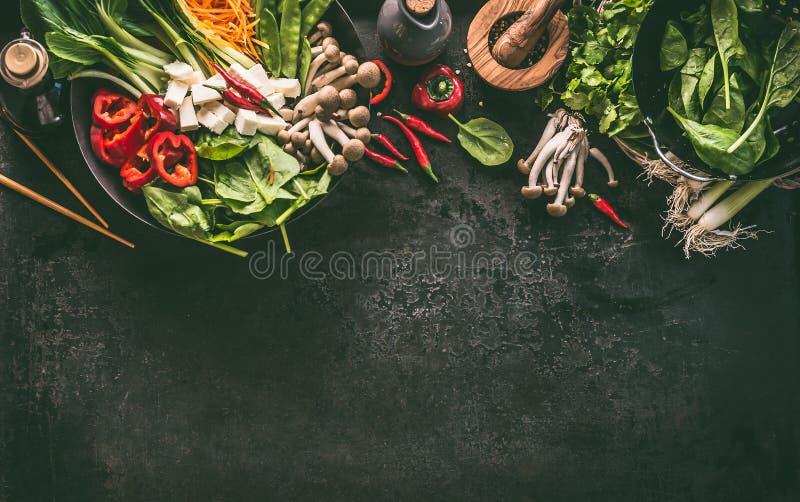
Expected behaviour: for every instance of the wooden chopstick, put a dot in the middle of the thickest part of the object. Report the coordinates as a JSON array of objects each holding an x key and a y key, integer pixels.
[
  {"x": 27, "y": 192},
  {"x": 60, "y": 176}
]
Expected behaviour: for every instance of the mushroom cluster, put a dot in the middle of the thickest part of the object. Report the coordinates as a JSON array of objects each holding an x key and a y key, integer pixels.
[
  {"x": 329, "y": 109},
  {"x": 559, "y": 160}
]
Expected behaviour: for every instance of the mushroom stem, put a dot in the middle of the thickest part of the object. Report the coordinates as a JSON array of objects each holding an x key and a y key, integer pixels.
[
  {"x": 317, "y": 136},
  {"x": 299, "y": 125},
  {"x": 330, "y": 54},
  {"x": 566, "y": 177},
  {"x": 532, "y": 190},
  {"x": 347, "y": 129},
  {"x": 547, "y": 135},
  {"x": 577, "y": 189},
  {"x": 324, "y": 29},
  {"x": 316, "y": 50},
  {"x": 603, "y": 160},
  {"x": 332, "y": 130},
  {"x": 349, "y": 66}
]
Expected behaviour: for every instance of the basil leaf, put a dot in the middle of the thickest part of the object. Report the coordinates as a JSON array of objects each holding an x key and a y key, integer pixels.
[{"x": 485, "y": 140}]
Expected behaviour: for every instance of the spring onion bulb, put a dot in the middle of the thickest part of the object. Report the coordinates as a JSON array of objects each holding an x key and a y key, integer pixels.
[
  {"x": 731, "y": 206},
  {"x": 708, "y": 199}
]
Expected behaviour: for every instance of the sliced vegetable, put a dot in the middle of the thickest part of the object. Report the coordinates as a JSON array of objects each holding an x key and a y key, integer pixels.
[
  {"x": 111, "y": 110},
  {"x": 174, "y": 158}
]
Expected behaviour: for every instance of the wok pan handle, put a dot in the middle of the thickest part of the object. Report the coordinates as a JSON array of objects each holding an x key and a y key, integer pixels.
[{"x": 648, "y": 122}]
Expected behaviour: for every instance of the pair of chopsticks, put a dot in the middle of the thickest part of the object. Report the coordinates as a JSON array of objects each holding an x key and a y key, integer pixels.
[{"x": 36, "y": 197}]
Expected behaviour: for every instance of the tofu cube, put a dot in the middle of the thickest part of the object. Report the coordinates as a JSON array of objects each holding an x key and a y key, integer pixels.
[
  {"x": 216, "y": 81},
  {"x": 196, "y": 78},
  {"x": 276, "y": 100},
  {"x": 289, "y": 87},
  {"x": 270, "y": 126},
  {"x": 238, "y": 72},
  {"x": 176, "y": 91},
  {"x": 247, "y": 122},
  {"x": 221, "y": 111},
  {"x": 258, "y": 77},
  {"x": 211, "y": 121},
  {"x": 202, "y": 95},
  {"x": 188, "y": 117},
  {"x": 179, "y": 70}
]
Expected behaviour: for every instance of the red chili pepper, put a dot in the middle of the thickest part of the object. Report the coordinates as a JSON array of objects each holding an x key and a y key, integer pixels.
[
  {"x": 230, "y": 97},
  {"x": 99, "y": 140},
  {"x": 123, "y": 143},
  {"x": 605, "y": 208},
  {"x": 387, "y": 143},
  {"x": 157, "y": 117},
  {"x": 384, "y": 160},
  {"x": 416, "y": 145},
  {"x": 244, "y": 89},
  {"x": 439, "y": 91},
  {"x": 174, "y": 158},
  {"x": 138, "y": 170},
  {"x": 111, "y": 110},
  {"x": 420, "y": 125},
  {"x": 387, "y": 88}
]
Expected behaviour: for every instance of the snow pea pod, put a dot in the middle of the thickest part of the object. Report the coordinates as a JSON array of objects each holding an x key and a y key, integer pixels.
[
  {"x": 269, "y": 34},
  {"x": 290, "y": 37},
  {"x": 305, "y": 62},
  {"x": 312, "y": 13}
]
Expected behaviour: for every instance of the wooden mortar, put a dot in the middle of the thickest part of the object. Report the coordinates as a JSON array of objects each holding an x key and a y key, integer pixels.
[
  {"x": 498, "y": 74},
  {"x": 519, "y": 40}
]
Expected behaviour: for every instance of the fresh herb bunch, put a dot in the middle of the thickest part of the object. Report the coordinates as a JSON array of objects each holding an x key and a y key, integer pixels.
[{"x": 597, "y": 80}]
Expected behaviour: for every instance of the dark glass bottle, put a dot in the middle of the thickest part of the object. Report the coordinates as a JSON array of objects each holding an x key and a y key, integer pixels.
[{"x": 29, "y": 97}]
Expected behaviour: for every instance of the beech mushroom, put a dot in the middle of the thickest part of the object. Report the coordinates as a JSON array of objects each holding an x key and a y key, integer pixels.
[
  {"x": 298, "y": 139},
  {"x": 348, "y": 99},
  {"x": 368, "y": 76},
  {"x": 324, "y": 29},
  {"x": 329, "y": 99},
  {"x": 316, "y": 157},
  {"x": 577, "y": 189},
  {"x": 553, "y": 127},
  {"x": 322, "y": 114},
  {"x": 558, "y": 208},
  {"x": 352, "y": 149},
  {"x": 359, "y": 116},
  {"x": 299, "y": 126},
  {"x": 329, "y": 41},
  {"x": 532, "y": 190},
  {"x": 289, "y": 148},
  {"x": 330, "y": 55},
  {"x": 283, "y": 137},
  {"x": 337, "y": 164},
  {"x": 286, "y": 114},
  {"x": 349, "y": 66},
  {"x": 602, "y": 159}
]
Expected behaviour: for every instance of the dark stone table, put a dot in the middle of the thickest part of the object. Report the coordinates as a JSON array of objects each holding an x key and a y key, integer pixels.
[{"x": 599, "y": 365}]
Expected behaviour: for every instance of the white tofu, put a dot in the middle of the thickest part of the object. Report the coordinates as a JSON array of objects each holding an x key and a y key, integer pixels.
[
  {"x": 196, "y": 78},
  {"x": 211, "y": 121},
  {"x": 289, "y": 87},
  {"x": 239, "y": 72},
  {"x": 176, "y": 91},
  {"x": 270, "y": 126},
  {"x": 179, "y": 70},
  {"x": 247, "y": 122},
  {"x": 276, "y": 100},
  {"x": 188, "y": 118},
  {"x": 202, "y": 95},
  {"x": 221, "y": 111},
  {"x": 216, "y": 81},
  {"x": 258, "y": 77}
]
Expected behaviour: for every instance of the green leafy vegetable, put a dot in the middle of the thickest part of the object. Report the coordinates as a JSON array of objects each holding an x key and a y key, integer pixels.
[
  {"x": 725, "y": 21},
  {"x": 226, "y": 146},
  {"x": 485, "y": 140},
  {"x": 674, "y": 50},
  {"x": 730, "y": 118}
]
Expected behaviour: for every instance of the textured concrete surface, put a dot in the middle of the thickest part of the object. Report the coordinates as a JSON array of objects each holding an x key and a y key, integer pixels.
[{"x": 607, "y": 367}]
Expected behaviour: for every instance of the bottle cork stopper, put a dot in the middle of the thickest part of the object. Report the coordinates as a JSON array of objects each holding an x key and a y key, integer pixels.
[
  {"x": 420, "y": 7},
  {"x": 21, "y": 60}
]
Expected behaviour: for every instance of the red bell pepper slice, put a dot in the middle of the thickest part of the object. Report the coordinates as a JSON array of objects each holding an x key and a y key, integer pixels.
[
  {"x": 174, "y": 158},
  {"x": 124, "y": 143},
  {"x": 157, "y": 117},
  {"x": 111, "y": 110},
  {"x": 99, "y": 141},
  {"x": 138, "y": 170}
]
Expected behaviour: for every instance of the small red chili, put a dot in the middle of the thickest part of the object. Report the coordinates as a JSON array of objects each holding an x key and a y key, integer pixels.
[
  {"x": 416, "y": 145},
  {"x": 157, "y": 117},
  {"x": 384, "y": 160},
  {"x": 99, "y": 139},
  {"x": 423, "y": 127},
  {"x": 387, "y": 143},
  {"x": 174, "y": 158},
  {"x": 138, "y": 170},
  {"x": 111, "y": 110},
  {"x": 605, "y": 208},
  {"x": 439, "y": 91},
  {"x": 244, "y": 89},
  {"x": 387, "y": 87},
  {"x": 230, "y": 97}
]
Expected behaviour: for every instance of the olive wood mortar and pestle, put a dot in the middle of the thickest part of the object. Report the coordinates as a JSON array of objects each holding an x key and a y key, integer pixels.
[{"x": 499, "y": 66}]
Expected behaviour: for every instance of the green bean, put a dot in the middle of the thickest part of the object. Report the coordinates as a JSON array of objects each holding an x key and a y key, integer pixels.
[
  {"x": 290, "y": 37},
  {"x": 312, "y": 13},
  {"x": 305, "y": 62},
  {"x": 269, "y": 34}
]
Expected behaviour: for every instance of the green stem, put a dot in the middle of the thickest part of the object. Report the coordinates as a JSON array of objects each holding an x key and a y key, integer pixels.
[
  {"x": 725, "y": 72},
  {"x": 289, "y": 212},
  {"x": 286, "y": 243},
  {"x": 136, "y": 93},
  {"x": 228, "y": 249},
  {"x": 211, "y": 202},
  {"x": 750, "y": 130}
]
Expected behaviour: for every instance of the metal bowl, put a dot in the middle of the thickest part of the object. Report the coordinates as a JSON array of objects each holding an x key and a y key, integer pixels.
[
  {"x": 651, "y": 87},
  {"x": 80, "y": 99}
]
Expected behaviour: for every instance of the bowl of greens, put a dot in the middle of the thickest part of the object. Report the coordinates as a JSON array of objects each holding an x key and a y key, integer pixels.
[{"x": 717, "y": 83}]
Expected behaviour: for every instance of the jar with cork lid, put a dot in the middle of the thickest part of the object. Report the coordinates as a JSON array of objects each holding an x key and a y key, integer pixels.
[
  {"x": 414, "y": 32},
  {"x": 29, "y": 97}
]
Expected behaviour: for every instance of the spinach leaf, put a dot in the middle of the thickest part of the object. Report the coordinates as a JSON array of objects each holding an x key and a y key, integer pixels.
[
  {"x": 236, "y": 230},
  {"x": 751, "y": 6},
  {"x": 725, "y": 21},
  {"x": 706, "y": 79},
  {"x": 225, "y": 146},
  {"x": 674, "y": 50},
  {"x": 711, "y": 143},
  {"x": 730, "y": 118},
  {"x": 485, "y": 140},
  {"x": 180, "y": 212}
]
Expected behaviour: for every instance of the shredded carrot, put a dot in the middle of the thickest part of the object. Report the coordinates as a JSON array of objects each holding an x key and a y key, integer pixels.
[{"x": 231, "y": 21}]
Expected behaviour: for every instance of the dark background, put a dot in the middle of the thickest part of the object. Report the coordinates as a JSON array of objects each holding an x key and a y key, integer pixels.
[{"x": 617, "y": 370}]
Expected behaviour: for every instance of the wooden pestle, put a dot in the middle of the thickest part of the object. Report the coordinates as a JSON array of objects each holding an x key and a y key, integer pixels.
[{"x": 520, "y": 39}]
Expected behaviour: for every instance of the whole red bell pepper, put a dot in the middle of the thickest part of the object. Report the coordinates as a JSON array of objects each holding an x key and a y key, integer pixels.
[
  {"x": 99, "y": 139},
  {"x": 138, "y": 170},
  {"x": 111, "y": 110},
  {"x": 157, "y": 117},
  {"x": 174, "y": 158},
  {"x": 439, "y": 91}
]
